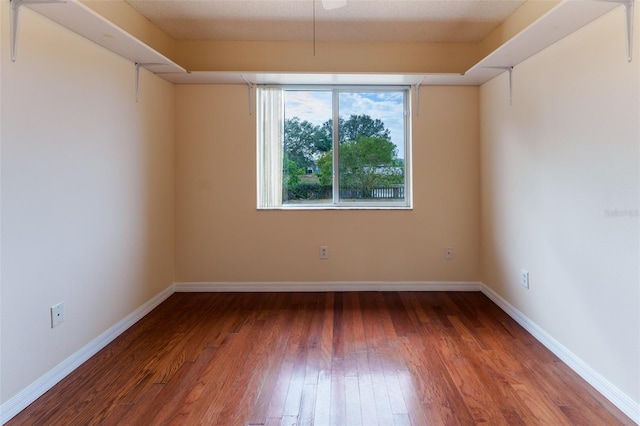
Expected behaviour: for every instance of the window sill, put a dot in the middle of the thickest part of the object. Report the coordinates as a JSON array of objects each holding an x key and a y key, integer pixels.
[{"x": 339, "y": 207}]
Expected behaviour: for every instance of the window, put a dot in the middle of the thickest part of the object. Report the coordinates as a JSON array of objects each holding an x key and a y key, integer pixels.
[{"x": 333, "y": 147}]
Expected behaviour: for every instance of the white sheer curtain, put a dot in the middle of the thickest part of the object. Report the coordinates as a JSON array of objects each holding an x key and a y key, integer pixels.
[{"x": 270, "y": 146}]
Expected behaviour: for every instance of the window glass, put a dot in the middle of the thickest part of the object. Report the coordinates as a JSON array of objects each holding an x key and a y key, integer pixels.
[
  {"x": 371, "y": 146},
  {"x": 339, "y": 147},
  {"x": 308, "y": 142}
]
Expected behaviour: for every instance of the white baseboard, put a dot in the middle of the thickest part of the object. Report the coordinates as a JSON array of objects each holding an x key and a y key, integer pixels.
[
  {"x": 602, "y": 385},
  {"x": 36, "y": 389},
  {"x": 215, "y": 287}
]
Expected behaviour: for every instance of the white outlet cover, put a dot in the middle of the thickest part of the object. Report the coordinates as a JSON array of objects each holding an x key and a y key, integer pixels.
[
  {"x": 524, "y": 278},
  {"x": 57, "y": 314},
  {"x": 448, "y": 253},
  {"x": 324, "y": 252}
]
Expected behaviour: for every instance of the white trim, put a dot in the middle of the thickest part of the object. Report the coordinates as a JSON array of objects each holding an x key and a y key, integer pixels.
[
  {"x": 621, "y": 400},
  {"x": 327, "y": 286},
  {"x": 36, "y": 389}
]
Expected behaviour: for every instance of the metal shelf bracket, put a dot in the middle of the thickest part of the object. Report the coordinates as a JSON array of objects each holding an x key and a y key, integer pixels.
[
  {"x": 250, "y": 92},
  {"x": 15, "y": 20},
  {"x": 138, "y": 66},
  {"x": 628, "y": 9},
  {"x": 510, "y": 69},
  {"x": 416, "y": 89}
]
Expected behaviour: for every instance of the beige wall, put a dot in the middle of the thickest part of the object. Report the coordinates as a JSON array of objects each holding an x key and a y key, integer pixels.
[
  {"x": 554, "y": 166},
  {"x": 87, "y": 195},
  {"x": 278, "y": 56},
  {"x": 337, "y": 57},
  {"x": 407, "y": 58},
  {"x": 222, "y": 237}
]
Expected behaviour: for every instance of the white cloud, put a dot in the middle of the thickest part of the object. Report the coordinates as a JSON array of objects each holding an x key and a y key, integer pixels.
[{"x": 312, "y": 106}]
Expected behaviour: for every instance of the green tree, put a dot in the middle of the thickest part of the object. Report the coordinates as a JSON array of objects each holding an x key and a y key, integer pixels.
[
  {"x": 325, "y": 169},
  {"x": 367, "y": 156},
  {"x": 304, "y": 142},
  {"x": 356, "y": 126},
  {"x": 292, "y": 173},
  {"x": 365, "y": 163}
]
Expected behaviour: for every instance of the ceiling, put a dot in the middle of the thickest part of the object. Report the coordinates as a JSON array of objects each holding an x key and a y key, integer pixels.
[
  {"x": 547, "y": 27},
  {"x": 449, "y": 21}
]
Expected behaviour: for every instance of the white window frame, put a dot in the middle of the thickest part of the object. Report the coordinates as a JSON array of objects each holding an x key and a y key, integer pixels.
[{"x": 267, "y": 194}]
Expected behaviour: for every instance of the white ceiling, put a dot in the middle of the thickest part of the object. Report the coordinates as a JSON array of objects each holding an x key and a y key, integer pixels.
[{"x": 359, "y": 20}]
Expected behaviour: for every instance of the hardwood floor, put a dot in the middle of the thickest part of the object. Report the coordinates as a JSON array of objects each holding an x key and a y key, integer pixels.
[{"x": 325, "y": 359}]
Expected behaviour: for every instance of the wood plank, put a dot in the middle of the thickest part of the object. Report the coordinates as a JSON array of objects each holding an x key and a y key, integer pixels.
[
  {"x": 214, "y": 386},
  {"x": 365, "y": 388},
  {"x": 322, "y": 411},
  {"x": 402, "y": 323},
  {"x": 308, "y": 403},
  {"x": 248, "y": 384},
  {"x": 338, "y": 409},
  {"x": 374, "y": 329},
  {"x": 380, "y": 392},
  {"x": 326, "y": 344},
  {"x": 288, "y": 389},
  {"x": 324, "y": 358},
  {"x": 437, "y": 393},
  {"x": 353, "y": 415},
  {"x": 275, "y": 355},
  {"x": 314, "y": 342},
  {"x": 162, "y": 400}
]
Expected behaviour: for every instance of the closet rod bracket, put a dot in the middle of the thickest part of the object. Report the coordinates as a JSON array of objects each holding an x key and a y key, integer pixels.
[{"x": 15, "y": 20}]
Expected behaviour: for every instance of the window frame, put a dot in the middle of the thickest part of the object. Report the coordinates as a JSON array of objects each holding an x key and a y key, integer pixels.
[{"x": 336, "y": 203}]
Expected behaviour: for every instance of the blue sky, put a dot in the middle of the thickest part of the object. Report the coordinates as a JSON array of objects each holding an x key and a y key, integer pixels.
[{"x": 315, "y": 107}]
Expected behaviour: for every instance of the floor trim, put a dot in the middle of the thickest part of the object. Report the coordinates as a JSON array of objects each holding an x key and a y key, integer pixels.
[
  {"x": 327, "y": 286},
  {"x": 36, "y": 389},
  {"x": 595, "y": 379}
]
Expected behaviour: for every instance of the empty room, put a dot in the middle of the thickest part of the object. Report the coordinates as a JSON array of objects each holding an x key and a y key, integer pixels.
[{"x": 321, "y": 212}]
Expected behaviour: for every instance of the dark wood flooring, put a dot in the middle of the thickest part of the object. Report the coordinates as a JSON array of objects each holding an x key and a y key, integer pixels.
[{"x": 369, "y": 358}]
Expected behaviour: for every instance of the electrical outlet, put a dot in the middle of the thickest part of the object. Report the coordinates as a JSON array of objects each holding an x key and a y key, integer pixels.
[
  {"x": 324, "y": 252},
  {"x": 524, "y": 278},
  {"x": 57, "y": 314},
  {"x": 448, "y": 253}
]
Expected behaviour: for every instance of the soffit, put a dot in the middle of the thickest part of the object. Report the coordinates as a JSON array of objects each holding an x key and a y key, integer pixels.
[{"x": 459, "y": 21}]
